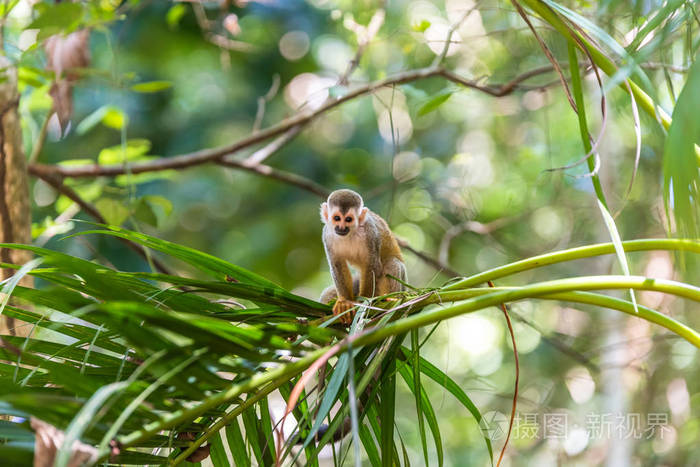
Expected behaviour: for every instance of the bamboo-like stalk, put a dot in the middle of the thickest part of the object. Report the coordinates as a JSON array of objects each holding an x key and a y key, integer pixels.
[
  {"x": 574, "y": 254},
  {"x": 589, "y": 298},
  {"x": 538, "y": 290}
]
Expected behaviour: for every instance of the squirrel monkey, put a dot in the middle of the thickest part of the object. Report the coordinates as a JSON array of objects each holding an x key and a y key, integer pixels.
[{"x": 353, "y": 234}]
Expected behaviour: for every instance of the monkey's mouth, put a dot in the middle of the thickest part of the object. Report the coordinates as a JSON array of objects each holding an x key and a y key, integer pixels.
[{"x": 342, "y": 232}]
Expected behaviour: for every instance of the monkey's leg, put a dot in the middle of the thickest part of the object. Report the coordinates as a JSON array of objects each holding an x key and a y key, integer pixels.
[
  {"x": 395, "y": 268},
  {"x": 330, "y": 293}
]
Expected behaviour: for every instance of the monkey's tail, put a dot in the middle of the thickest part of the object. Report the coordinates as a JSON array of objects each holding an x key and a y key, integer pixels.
[{"x": 340, "y": 433}]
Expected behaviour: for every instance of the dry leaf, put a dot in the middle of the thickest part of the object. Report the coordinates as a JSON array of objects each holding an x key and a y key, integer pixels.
[
  {"x": 66, "y": 54},
  {"x": 231, "y": 24}
]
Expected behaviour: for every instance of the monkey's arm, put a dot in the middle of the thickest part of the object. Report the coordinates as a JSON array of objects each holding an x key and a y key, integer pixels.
[
  {"x": 343, "y": 279},
  {"x": 343, "y": 284}
]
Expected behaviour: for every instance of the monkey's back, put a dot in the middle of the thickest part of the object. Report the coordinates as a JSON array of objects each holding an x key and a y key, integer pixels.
[{"x": 390, "y": 247}]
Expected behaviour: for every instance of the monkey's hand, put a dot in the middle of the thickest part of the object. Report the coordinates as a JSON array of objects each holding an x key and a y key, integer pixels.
[{"x": 341, "y": 308}]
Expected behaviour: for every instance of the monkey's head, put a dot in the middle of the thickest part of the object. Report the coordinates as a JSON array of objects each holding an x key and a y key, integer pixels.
[{"x": 344, "y": 211}]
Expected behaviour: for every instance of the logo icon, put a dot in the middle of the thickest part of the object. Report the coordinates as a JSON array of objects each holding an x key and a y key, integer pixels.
[{"x": 494, "y": 425}]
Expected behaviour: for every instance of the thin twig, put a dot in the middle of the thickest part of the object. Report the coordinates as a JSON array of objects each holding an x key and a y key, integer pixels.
[
  {"x": 517, "y": 379},
  {"x": 57, "y": 183},
  {"x": 548, "y": 53},
  {"x": 666, "y": 66},
  {"x": 263, "y": 100},
  {"x": 41, "y": 138},
  {"x": 470, "y": 226},
  {"x": 364, "y": 37},
  {"x": 286, "y": 177},
  {"x": 448, "y": 40},
  {"x": 559, "y": 344},
  {"x": 262, "y": 154},
  {"x": 57, "y": 227},
  {"x": 440, "y": 266},
  {"x": 229, "y": 44}
]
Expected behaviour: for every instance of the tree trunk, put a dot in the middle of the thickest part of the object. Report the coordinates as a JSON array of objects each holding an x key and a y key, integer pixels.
[{"x": 15, "y": 209}]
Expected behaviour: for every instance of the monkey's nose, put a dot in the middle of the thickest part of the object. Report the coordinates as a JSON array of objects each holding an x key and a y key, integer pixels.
[{"x": 343, "y": 231}]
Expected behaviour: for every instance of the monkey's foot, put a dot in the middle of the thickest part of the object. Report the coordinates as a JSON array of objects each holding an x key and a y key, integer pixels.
[{"x": 341, "y": 308}]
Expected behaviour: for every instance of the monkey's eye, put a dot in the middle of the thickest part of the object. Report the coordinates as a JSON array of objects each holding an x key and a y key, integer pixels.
[
  {"x": 348, "y": 219},
  {"x": 336, "y": 218}
]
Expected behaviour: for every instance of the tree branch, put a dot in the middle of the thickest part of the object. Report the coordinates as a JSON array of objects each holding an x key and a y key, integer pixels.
[
  {"x": 470, "y": 226},
  {"x": 280, "y": 175},
  {"x": 209, "y": 155},
  {"x": 263, "y": 153},
  {"x": 440, "y": 266}
]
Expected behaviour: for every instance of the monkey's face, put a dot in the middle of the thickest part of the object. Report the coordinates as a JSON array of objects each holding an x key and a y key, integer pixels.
[{"x": 342, "y": 223}]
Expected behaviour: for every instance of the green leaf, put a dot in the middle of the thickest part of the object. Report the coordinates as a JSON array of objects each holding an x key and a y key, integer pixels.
[
  {"x": 138, "y": 400},
  {"x": 15, "y": 431},
  {"x": 17, "y": 453},
  {"x": 112, "y": 210},
  {"x": 428, "y": 411},
  {"x": 6, "y": 7},
  {"x": 387, "y": 415},
  {"x": 662, "y": 15},
  {"x": 631, "y": 68},
  {"x": 202, "y": 261},
  {"x": 10, "y": 283},
  {"x": 266, "y": 431},
  {"x": 577, "y": 88},
  {"x": 144, "y": 212},
  {"x": 217, "y": 451},
  {"x": 89, "y": 122},
  {"x": 56, "y": 18},
  {"x": 30, "y": 76},
  {"x": 434, "y": 103},
  {"x": 84, "y": 419},
  {"x": 329, "y": 396},
  {"x": 153, "y": 209},
  {"x": 151, "y": 86},
  {"x": 236, "y": 445},
  {"x": 175, "y": 14},
  {"x": 370, "y": 446},
  {"x": 619, "y": 249},
  {"x": 134, "y": 149},
  {"x": 127, "y": 457},
  {"x": 115, "y": 118},
  {"x": 681, "y": 178},
  {"x": 422, "y": 26},
  {"x": 250, "y": 422},
  {"x": 415, "y": 365}
]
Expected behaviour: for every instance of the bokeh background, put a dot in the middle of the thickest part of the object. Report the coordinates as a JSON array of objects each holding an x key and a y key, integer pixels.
[{"x": 465, "y": 178}]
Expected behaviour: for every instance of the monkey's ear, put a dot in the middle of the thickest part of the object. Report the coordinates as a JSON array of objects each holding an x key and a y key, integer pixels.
[
  {"x": 363, "y": 215},
  {"x": 324, "y": 213}
]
